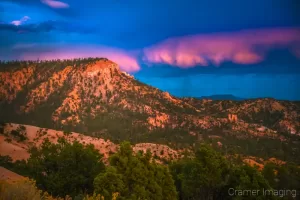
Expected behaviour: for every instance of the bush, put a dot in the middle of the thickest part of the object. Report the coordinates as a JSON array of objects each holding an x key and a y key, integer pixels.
[
  {"x": 22, "y": 128},
  {"x": 19, "y": 136},
  {"x": 162, "y": 152},
  {"x": 131, "y": 176},
  {"x": 6, "y": 161},
  {"x": 66, "y": 133},
  {"x": 65, "y": 168},
  {"x": 24, "y": 190}
]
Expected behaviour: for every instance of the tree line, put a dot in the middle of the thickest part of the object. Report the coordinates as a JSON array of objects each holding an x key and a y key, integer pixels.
[{"x": 78, "y": 170}]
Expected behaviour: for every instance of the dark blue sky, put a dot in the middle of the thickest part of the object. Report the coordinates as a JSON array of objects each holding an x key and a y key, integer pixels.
[{"x": 189, "y": 48}]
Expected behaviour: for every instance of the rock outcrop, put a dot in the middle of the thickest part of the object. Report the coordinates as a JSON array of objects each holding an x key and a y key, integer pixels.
[{"x": 232, "y": 117}]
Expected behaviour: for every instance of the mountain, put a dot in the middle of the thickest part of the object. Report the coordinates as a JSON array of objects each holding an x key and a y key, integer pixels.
[
  {"x": 94, "y": 97},
  {"x": 222, "y": 97},
  {"x": 91, "y": 96}
]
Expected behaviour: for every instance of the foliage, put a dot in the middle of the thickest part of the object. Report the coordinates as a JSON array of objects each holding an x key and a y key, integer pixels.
[
  {"x": 269, "y": 172},
  {"x": 18, "y": 135},
  {"x": 248, "y": 178},
  {"x": 201, "y": 177},
  {"x": 100, "y": 197},
  {"x": 11, "y": 65},
  {"x": 93, "y": 197},
  {"x": 285, "y": 176},
  {"x": 24, "y": 190},
  {"x": 135, "y": 177},
  {"x": 72, "y": 169},
  {"x": 65, "y": 168},
  {"x": 209, "y": 175},
  {"x": 18, "y": 166},
  {"x": 263, "y": 147}
]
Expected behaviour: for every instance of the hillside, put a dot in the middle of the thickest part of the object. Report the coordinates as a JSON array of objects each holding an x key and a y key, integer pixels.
[
  {"x": 281, "y": 116},
  {"x": 7, "y": 175},
  {"x": 92, "y": 96},
  {"x": 17, "y": 139}
]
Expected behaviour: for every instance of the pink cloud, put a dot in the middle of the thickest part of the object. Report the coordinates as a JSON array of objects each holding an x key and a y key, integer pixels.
[
  {"x": 126, "y": 60},
  {"x": 55, "y": 4},
  {"x": 21, "y": 21},
  {"x": 238, "y": 47}
]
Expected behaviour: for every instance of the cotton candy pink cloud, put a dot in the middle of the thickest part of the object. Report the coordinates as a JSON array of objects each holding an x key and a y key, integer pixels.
[
  {"x": 244, "y": 47},
  {"x": 126, "y": 60},
  {"x": 21, "y": 21},
  {"x": 55, "y": 4}
]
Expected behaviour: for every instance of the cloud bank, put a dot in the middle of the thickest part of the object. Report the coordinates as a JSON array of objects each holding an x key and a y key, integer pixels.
[
  {"x": 244, "y": 47},
  {"x": 45, "y": 26},
  {"x": 21, "y": 21},
  {"x": 55, "y": 4}
]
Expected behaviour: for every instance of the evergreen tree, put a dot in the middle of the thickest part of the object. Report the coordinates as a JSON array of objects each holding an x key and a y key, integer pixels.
[
  {"x": 247, "y": 179},
  {"x": 65, "y": 168},
  {"x": 269, "y": 172},
  {"x": 202, "y": 177},
  {"x": 135, "y": 177}
]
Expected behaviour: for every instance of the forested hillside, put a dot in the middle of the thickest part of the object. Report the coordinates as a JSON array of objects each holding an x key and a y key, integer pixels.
[
  {"x": 129, "y": 175},
  {"x": 64, "y": 123},
  {"x": 93, "y": 97}
]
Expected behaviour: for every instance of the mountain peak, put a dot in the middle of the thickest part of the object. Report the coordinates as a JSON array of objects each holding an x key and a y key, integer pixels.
[{"x": 100, "y": 65}]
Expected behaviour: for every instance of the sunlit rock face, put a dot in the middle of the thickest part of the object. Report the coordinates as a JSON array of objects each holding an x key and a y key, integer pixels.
[{"x": 232, "y": 118}]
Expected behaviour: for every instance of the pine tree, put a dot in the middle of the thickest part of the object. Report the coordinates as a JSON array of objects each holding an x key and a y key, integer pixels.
[{"x": 135, "y": 177}]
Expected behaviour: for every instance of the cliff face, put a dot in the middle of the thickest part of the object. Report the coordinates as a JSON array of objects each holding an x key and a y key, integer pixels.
[{"x": 92, "y": 96}]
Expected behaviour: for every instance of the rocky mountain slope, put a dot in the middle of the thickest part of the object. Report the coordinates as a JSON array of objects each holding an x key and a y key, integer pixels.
[
  {"x": 92, "y": 96},
  {"x": 282, "y": 116},
  {"x": 17, "y": 139}
]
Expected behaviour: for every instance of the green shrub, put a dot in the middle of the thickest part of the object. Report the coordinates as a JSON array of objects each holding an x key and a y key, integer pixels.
[{"x": 70, "y": 167}]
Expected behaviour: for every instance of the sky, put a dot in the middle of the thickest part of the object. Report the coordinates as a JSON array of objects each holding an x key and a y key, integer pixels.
[{"x": 248, "y": 48}]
